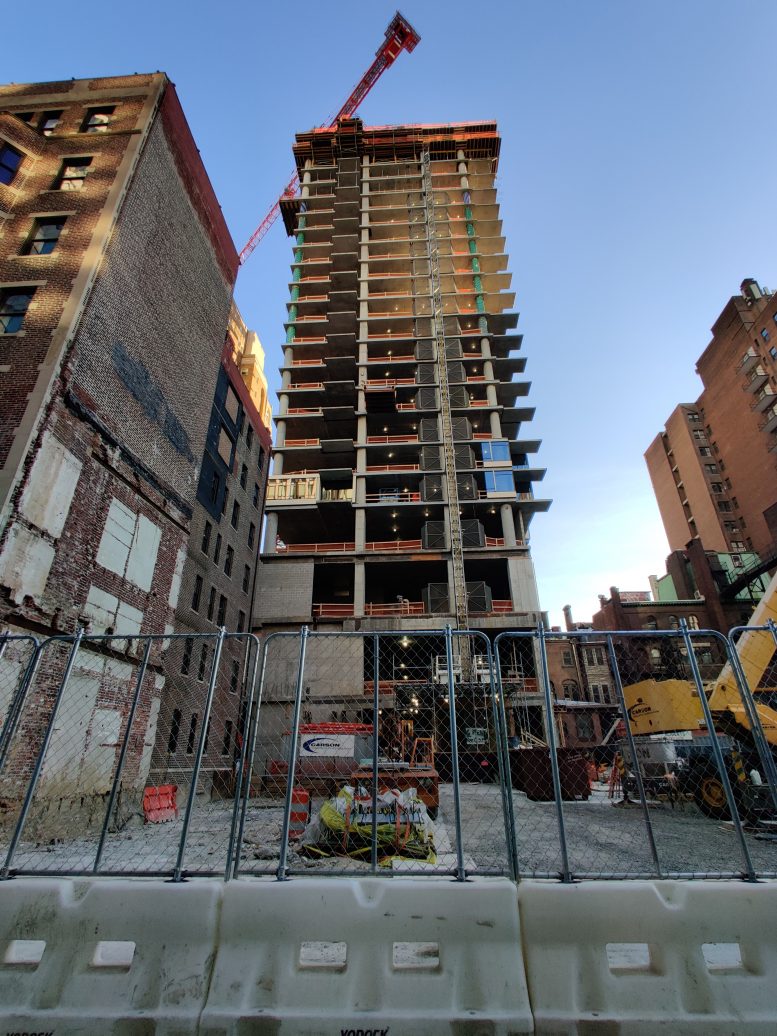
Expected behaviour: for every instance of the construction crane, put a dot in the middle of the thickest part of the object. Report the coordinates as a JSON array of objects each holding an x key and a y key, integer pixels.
[{"x": 400, "y": 35}]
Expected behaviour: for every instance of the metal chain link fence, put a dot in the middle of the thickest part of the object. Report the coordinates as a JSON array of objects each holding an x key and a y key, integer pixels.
[{"x": 429, "y": 752}]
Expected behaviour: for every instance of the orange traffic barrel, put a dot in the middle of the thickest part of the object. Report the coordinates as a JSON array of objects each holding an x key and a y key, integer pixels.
[{"x": 300, "y": 813}]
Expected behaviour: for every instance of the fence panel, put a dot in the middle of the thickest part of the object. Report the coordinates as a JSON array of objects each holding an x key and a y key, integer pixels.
[
  {"x": 18, "y": 656},
  {"x": 414, "y": 709}
]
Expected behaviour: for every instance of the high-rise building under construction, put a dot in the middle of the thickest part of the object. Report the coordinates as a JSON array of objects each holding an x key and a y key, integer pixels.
[{"x": 402, "y": 484}]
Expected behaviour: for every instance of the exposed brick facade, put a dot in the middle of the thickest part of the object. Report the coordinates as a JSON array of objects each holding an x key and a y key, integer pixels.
[{"x": 105, "y": 392}]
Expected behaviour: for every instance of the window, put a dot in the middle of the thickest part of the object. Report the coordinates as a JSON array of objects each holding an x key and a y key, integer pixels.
[
  {"x": 495, "y": 452},
  {"x": 650, "y": 623},
  {"x": 738, "y": 545},
  {"x": 243, "y": 476},
  {"x": 596, "y": 693},
  {"x": 674, "y": 622},
  {"x": 499, "y": 482},
  {"x": 773, "y": 351},
  {"x": 232, "y": 404},
  {"x": 716, "y": 487},
  {"x": 221, "y": 618},
  {"x": 260, "y": 461},
  {"x": 217, "y": 551},
  {"x": 226, "y": 447},
  {"x": 693, "y": 622},
  {"x": 249, "y": 437},
  {"x": 228, "y": 560},
  {"x": 186, "y": 656},
  {"x": 693, "y": 416},
  {"x": 251, "y": 534},
  {"x": 724, "y": 505},
  {"x": 246, "y": 578},
  {"x": 241, "y": 621},
  {"x": 203, "y": 662},
  {"x": 226, "y": 744},
  {"x": 175, "y": 730},
  {"x": 606, "y": 693},
  {"x": 711, "y": 469},
  {"x": 44, "y": 236},
  {"x": 234, "y": 676},
  {"x": 14, "y": 303},
  {"x": 192, "y": 734},
  {"x": 215, "y": 486},
  {"x": 48, "y": 122},
  {"x": 235, "y": 514},
  {"x": 97, "y": 120},
  {"x": 566, "y": 658},
  {"x": 207, "y": 735},
  {"x": 10, "y": 160},
  {"x": 698, "y": 434},
  {"x": 206, "y": 537},
  {"x": 705, "y": 451},
  {"x": 255, "y": 500},
  {"x": 211, "y": 603},
  {"x": 25, "y": 116},
  {"x": 764, "y": 334},
  {"x": 72, "y": 175},
  {"x": 594, "y": 656},
  {"x": 196, "y": 596},
  {"x": 584, "y": 725}
]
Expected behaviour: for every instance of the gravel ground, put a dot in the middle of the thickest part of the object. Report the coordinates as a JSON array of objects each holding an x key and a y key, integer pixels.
[{"x": 602, "y": 839}]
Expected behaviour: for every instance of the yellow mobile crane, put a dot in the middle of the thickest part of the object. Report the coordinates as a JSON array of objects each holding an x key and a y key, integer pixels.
[{"x": 673, "y": 744}]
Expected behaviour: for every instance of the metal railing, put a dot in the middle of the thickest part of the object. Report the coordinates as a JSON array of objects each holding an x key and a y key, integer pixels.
[{"x": 426, "y": 752}]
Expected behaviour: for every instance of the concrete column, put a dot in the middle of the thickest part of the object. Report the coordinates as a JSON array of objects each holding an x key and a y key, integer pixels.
[
  {"x": 485, "y": 348},
  {"x": 508, "y": 525},
  {"x": 361, "y": 422},
  {"x": 523, "y": 584},
  {"x": 358, "y": 589},
  {"x": 360, "y": 527},
  {"x": 283, "y": 401},
  {"x": 488, "y": 370},
  {"x": 491, "y": 395},
  {"x": 280, "y": 432},
  {"x": 361, "y": 458},
  {"x": 495, "y": 425},
  {"x": 277, "y": 463},
  {"x": 270, "y": 532},
  {"x": 305, "y": 186}
]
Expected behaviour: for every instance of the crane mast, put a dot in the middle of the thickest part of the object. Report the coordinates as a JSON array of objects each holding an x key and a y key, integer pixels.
[{"x": 400, "y": 35}]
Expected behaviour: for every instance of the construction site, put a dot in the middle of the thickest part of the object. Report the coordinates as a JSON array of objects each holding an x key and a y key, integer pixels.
[{"x": 287, "y": 740}]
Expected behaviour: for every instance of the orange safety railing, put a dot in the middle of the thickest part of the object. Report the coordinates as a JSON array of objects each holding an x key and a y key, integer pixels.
[
  {"x": 482, "y": 435},
  {"x": 495, "y": 541},
  {"x": 315, "y": 548},
  {"x": 391, "y": 334},
  {"x": 390, "y": 359},
  {"x": 400, "y": 608},
  {"x": 475, "y": 377},
  {"x": 501, "y": 607},
  {"x": 311, "y": 339},
  {"x": 298, "y": 410},
  {"x": 393, "y": 545},
  {"x": 304, "y": 385},
  {"x": 332, "y": 611},
  {"x": 375, "y": 383},
  {"x": 307, "y": 363},
  {"x": 392, "y": 438},
  {"x": 406, "y": 406},
  {"x": 302, "y": 442}
]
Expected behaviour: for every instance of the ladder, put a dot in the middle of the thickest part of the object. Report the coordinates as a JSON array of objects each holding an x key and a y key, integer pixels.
[{"x": 438, "y": 330}]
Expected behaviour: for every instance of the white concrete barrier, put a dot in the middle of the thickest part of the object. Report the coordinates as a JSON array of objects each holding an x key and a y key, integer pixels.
[
  {"x": 633, "y": 957},
  {"x": 358, "y": 956},
  {"x": 101, "y": 956}
]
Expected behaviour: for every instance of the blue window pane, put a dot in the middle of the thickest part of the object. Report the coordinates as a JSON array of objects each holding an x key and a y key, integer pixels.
[
  {"x": 13, "y": 306},
  {"x": 499, "y": 482},
  {"x": 9, "y": 162}
]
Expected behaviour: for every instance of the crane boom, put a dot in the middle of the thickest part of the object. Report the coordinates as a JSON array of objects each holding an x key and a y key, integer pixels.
[{"x": 400, "y": 35}]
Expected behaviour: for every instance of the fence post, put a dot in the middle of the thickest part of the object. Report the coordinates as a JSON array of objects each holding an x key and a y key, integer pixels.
[
  {"x": 633, "y": 748},
  {"x": 214, "y": 672},
  {"x": 122, "y": 755},
  {"x": 460, "y": 870},
  {"x": 503, "y": 756},
  {"x": 716, "y": 750},
  {"x": 76, "y": 643},
  {"x": 550, "y": 728},
  {"x": 293, "y": 743},
  {"x": 240, "y": 776},
  {"x": 249, "y": 739},
  {"x": 375, "y": 724},
  {"x": 15, "y": 709}
]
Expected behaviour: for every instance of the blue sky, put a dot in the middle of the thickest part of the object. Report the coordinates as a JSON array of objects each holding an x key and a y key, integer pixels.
[{"x": 636, "y": 187}]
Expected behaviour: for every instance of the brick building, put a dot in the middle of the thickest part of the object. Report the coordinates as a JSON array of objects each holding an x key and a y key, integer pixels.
[
  {"x": 714, "y": 467},
  {"x": 116, "y": 275}
]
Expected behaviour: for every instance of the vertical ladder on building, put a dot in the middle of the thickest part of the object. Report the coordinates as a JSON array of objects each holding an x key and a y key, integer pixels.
[{"x": 438, "y": 329}]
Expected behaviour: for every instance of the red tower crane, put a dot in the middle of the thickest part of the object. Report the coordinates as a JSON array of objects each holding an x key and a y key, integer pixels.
[{"x": 400, "y": 35}]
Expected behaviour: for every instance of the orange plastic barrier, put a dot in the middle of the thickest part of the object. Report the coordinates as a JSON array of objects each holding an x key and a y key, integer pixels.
[{"x": 159, "y": 804}]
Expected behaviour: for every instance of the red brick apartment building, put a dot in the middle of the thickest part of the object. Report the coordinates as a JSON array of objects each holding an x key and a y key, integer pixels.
[{"x": 116, "y": 277}]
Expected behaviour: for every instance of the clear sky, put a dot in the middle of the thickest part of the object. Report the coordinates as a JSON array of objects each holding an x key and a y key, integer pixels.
[{"x": 636, "y": 187}]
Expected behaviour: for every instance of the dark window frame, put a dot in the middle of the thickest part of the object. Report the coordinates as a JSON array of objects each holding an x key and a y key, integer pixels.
[{"x": 10, "y": 162}]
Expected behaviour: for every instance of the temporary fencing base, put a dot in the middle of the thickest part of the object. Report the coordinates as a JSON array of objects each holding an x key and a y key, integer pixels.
[{"x": 405, "y": 957}]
